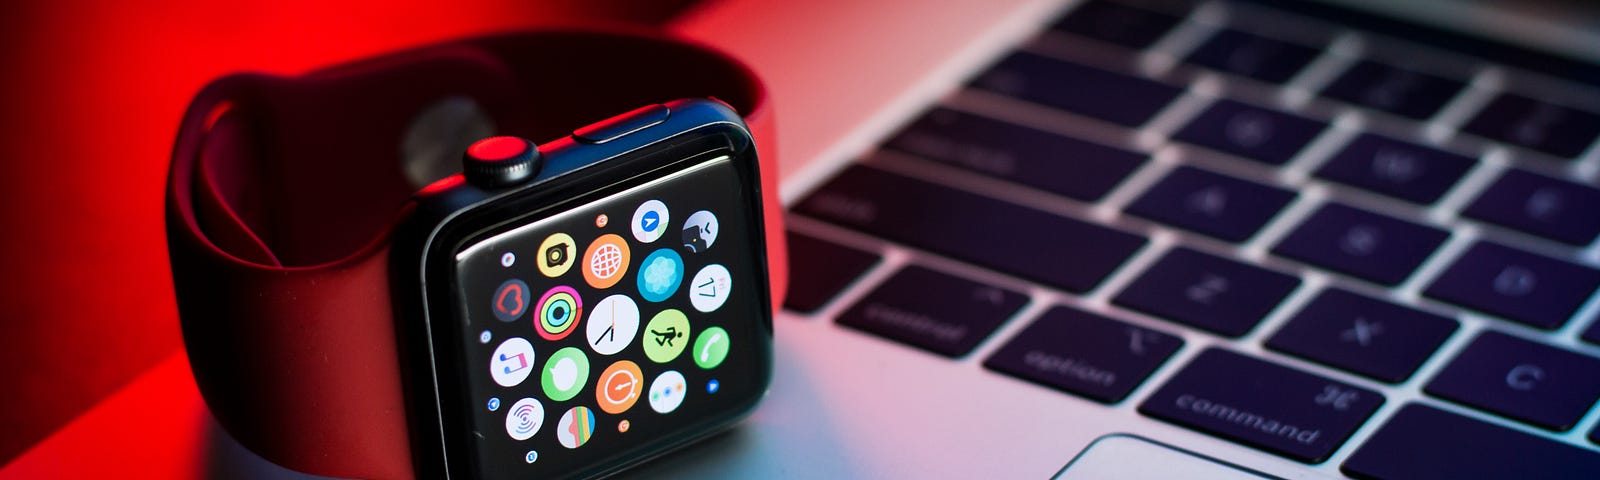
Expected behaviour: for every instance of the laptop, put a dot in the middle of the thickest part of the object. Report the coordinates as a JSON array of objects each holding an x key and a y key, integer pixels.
[
  {"x": 1140, "y": 239},
  {"x": 1150, "y": 239}
]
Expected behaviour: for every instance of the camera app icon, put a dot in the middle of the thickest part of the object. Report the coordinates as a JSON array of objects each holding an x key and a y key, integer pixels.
[{"x": 555, "y": 256}]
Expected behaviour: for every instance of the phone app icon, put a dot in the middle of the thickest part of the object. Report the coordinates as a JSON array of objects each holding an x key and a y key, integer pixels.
[
  {"x": 700, "y": 231},
  {"x": 650, "y": 221},
  {"x": 605, "y": 261},
  {"x": 511, "y": 362},
  {"x": 660, "y": 274},
  {"x": 565, "y": 373},
  {"x": 667, "y": 391},
  {"x": 710, "y": 288},
  {"x": 575, "y": 427},
  {"x": 619, "y": 387},
  {"x": 613, "y": 324},
  {"x": 524, "y": 419},
  {"x": 710, "y": 348},
  {"x": 666, "y": 336},
  {"x": 510, "y": 300},
  {"x": 559, "y": 311},
  {"x": 556, "y": 254}
]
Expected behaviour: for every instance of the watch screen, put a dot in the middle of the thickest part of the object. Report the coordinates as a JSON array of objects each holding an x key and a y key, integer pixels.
[{"x": 631, "y": 319}]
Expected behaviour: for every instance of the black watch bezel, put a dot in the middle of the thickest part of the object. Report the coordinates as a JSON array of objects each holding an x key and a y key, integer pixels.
[{"x": 452, "y": 213}]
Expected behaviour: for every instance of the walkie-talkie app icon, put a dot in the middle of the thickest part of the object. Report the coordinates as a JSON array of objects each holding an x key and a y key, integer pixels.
[
  {"x": 556, "y": 254},
  {"x": 664, "y": 336}
]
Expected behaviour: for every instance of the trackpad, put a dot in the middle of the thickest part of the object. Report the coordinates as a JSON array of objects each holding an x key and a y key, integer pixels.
[{"x": 1128, "y": 457}]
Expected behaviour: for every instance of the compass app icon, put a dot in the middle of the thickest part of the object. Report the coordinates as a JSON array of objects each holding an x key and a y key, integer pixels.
[{"x": 612, "y": 324}]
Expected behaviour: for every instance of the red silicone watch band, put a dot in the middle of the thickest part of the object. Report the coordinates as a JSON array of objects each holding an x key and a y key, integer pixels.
[{"x": 282, "y": 192}]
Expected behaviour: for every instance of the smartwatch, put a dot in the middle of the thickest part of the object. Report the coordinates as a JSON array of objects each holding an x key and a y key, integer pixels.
[{"x": 379, "y": 276}]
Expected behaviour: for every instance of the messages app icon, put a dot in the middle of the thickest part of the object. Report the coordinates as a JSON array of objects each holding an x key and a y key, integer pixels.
[{"x": 565, "y": 373}]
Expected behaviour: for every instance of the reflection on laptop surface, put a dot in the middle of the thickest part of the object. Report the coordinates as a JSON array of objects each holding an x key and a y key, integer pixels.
[{"x": 1201, "y": 240}]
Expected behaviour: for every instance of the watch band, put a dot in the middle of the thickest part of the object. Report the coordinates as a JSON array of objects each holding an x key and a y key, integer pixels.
[{"x": 283, "y": 191}]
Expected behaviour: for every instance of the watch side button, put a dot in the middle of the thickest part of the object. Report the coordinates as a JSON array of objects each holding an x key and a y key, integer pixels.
[{"x": 621, "y": 125}]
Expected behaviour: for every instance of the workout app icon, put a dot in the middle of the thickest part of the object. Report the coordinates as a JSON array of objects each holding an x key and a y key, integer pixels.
[
  {"x": 565, "y": 373},
  {"x": 605, "y": 261},
  {"x": 660, "y": 274},
  {"x": 559, "y": 311},
  {"x": 666, "y": 336},
  {"x": 649, "y": 221},
  {"x": 667, "y": 391},
  {"x": 511, "y": 362},
  {"x": 524, "y": 419},
  {"x": 710, "y": 288},
  {"x": 556, "y": 254},
  {"x": 618, "y": 387},
  {"x": 575, "y": 427},
  {"x": 700, "y": 231},
  {"x": 612, "y": 324},
  {"x": 510, "y": 300},
  {"x": 710, "y": 348}
]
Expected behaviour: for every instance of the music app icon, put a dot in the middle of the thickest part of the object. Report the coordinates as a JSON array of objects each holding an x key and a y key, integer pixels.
[{"x": 511, "y": 362}]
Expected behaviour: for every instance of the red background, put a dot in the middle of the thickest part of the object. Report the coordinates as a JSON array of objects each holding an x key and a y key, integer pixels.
[{"x": 92, "y": 93}]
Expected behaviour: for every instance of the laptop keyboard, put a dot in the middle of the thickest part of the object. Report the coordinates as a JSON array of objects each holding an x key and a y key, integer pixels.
[{"x": 1291, "y": 226}]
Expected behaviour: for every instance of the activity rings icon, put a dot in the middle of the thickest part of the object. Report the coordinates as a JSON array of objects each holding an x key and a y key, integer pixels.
[{"x": 559, "y": 311}]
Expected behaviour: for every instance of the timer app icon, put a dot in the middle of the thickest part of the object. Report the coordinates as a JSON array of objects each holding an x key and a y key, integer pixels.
[
  {"x": 605, "y": 261},
  {"x": 619, "y": 387}
]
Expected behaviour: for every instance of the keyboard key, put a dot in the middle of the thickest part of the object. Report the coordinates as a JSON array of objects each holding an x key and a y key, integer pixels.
[
  {"x": 1425, "y": 443},
  {"x": 1363, "y": 335},
  {"x": 1546, "y": 127},
  {"x": 1392, "y": 89},
  {"x": 1403, "y": 170},
  {"x": 1252, "y": 56},
  {"x": 1548, "y": 207},
  {"x": 1058, "y": 251},
  {"x": 1271, "y": 407},
  {"x": 1594, "y": 434},
  {"x": 1211, "y": 203},
  {"x": 1084, "y": 354},
  {"x": 1110, "y": 96},
  {"x": 1536, "y": 383},
  {"x": 1131, "y": 27},
  {"x": 1252, "y": 132},
  {"x": 1075, "y": 168},
  {"x": 1535, "y": 290},
  {"x": 934, "y": 311},
  {"x": 1592, "y": 334},
  {"x": 1207, "y": 292},
  {"x": 821, "y": 269},
  {"x": 1377, "y": 248}
]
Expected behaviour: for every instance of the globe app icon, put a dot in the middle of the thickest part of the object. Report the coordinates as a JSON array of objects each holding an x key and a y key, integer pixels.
[{"x": 605, "y": 261}]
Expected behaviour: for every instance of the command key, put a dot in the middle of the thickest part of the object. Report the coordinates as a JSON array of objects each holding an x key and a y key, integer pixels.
[{"x": 1264, "y": 405}]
